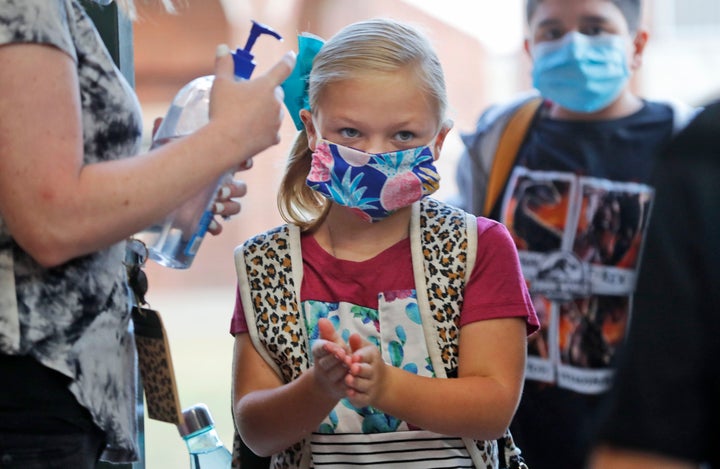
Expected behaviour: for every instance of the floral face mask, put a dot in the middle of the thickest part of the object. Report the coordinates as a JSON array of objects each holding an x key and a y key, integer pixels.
[{"x": 374, "y": 184}]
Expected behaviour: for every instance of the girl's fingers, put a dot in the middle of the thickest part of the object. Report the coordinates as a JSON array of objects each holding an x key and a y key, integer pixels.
[
  {"x": 359, "y": 385},
  {"x": 327, "y": 330},
  {"x": 360, "y": 370},
  {"x": 356, "y": 342}
]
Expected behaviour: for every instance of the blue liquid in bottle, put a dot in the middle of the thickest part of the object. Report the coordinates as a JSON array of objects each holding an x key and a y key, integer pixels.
[{"x": 206, "y": 449}]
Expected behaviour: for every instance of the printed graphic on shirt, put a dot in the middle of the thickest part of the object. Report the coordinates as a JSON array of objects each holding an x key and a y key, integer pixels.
[
  {"x": 579, "y": 241},
  {"x": 396, "y": 329}
]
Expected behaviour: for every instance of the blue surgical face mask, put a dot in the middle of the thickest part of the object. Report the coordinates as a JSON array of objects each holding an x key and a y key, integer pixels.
[
  {"x": 581, "y": 73},
  {"x": 374, "y": 184}
]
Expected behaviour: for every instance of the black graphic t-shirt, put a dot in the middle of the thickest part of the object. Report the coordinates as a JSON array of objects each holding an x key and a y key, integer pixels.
[{"x": 577, "y": 205}]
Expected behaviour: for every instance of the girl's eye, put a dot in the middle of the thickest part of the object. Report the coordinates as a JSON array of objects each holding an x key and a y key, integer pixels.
[
  {"x": 348, "y": 132},
  {"x": 404, "y": 136}
]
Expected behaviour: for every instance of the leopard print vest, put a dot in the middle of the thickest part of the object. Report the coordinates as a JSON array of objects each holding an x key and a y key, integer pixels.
[{"x": 269, "y": 267}]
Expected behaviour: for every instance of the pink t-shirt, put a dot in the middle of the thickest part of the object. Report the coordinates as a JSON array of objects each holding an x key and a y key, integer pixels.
[{"x": 496, "y": 288}]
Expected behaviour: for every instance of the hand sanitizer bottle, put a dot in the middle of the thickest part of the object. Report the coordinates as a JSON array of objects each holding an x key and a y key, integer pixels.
[{"x": 174, "y": 241}]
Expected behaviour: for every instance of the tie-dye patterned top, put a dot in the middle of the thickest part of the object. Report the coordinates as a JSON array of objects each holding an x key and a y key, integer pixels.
[{"x": 74, "y": 318}]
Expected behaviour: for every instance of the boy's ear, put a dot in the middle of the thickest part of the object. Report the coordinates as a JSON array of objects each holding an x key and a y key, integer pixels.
[
  {"x": 310, "y": 131},
  {"x": 639, "y": 43},
  {"x": 440, "y": 139}
]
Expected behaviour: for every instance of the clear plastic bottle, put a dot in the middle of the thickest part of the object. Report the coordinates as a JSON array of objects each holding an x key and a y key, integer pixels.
[
  {"x": 198, "y": 431},
  {"x": 174, "y": 241}
]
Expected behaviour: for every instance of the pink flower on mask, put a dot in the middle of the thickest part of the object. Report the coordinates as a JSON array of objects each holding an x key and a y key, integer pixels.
[
  {"x": 322, "y": 163},
  {"x": 400, "y": 191}
]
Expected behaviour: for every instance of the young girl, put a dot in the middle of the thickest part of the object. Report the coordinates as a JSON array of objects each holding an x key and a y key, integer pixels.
[{"x": 347, "y": 316}]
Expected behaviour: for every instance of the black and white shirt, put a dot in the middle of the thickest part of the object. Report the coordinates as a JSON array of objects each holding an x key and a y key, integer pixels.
[{"x": 75, "y": 318}]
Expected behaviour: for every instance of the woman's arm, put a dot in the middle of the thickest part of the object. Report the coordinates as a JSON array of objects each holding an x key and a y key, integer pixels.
[{"x": 57, "y": 208}]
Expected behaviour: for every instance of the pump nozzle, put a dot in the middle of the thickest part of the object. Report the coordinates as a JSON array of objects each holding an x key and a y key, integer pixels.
[{"x": 243, "y": 59}]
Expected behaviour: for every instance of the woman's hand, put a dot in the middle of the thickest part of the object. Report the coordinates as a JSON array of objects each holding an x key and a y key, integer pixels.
[
  {"x": 248, "y": 113},
  {"x": 226, "y": 204}
]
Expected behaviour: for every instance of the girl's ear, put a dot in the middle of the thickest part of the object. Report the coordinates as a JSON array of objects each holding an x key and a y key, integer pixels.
[
  {"x": 440, "y": 139},
  {"x": 310, "y": 130}
]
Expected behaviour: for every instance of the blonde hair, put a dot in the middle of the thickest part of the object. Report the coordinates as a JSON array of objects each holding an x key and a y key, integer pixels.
[{"x": 376, "y": 45}]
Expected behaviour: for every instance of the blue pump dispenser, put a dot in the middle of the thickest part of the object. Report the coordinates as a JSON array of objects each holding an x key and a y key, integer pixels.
[
  {"x": 244, "y": 64},
  {"x": 174, "y": 241}
]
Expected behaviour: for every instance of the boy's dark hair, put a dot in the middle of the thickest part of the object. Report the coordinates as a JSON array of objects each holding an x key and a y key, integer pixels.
[{"x": 631, "y": 10}]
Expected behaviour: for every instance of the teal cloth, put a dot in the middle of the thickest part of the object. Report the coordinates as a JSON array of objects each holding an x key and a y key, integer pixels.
[{"x": 296, "y": 85}]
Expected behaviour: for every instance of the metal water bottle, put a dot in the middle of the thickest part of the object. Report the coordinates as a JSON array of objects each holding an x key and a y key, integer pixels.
[{"x": 203, "y": 443}]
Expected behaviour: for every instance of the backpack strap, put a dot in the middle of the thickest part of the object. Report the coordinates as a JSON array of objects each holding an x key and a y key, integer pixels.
[
  {"x": 269, "y": 271},
  {"x": 512, "y": 137},
  {"x": 443, "y": 242},
  {"x": 444, "y": 249}
]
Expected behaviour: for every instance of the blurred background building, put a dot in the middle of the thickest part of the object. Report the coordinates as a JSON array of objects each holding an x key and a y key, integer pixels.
[{"x": 480, "y": 44}]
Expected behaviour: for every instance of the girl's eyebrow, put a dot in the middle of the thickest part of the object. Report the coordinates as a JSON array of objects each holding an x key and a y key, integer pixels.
[{"x": 345, "y": 121}]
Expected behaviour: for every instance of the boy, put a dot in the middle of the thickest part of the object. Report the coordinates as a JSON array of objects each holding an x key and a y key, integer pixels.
[{"x": 575, "y": 197}]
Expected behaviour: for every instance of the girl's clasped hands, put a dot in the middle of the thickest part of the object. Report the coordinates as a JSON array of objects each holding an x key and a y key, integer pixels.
[{"x": 354, "y": 370}]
